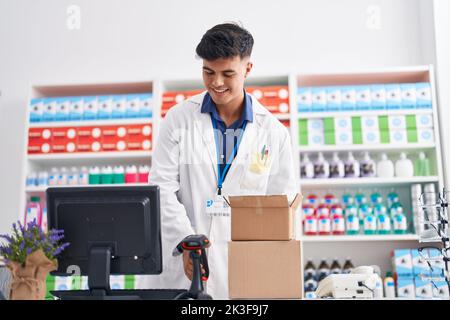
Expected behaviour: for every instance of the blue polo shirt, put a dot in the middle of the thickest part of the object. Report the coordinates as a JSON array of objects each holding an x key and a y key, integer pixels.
[{"x": 229, "y": 135}]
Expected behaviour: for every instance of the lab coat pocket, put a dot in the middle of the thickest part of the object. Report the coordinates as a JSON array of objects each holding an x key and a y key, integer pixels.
[{"x": 256, "y": 173}]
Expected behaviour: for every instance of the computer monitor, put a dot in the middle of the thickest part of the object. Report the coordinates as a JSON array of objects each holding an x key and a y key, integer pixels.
[{"x": 111, "y": 230}]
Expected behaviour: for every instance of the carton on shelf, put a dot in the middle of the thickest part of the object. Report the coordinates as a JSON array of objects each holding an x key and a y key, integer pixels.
[
  {"x": 265, "y": 269},
  {"x": 263, "y": 217}
]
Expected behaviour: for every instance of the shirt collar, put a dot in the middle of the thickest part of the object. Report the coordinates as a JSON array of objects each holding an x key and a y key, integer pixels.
[{"x": 208, "y": 106}]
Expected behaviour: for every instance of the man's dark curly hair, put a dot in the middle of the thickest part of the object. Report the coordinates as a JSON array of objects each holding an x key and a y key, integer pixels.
[{"x": 225, "y": 40}]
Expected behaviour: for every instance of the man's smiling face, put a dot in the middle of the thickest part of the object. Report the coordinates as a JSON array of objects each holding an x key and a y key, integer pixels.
[{"x": 224, "y": 78}]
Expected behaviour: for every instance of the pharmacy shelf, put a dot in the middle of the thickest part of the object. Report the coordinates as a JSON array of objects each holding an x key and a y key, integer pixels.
[
  {"x": 365, "y": 147},
  {"x": 99, "y": 157},
  {"x": 357, "y": 238},
  {"x": 42, "y": 189},
  {"x": 373, "y": 182},
  {"x": 362, "y": 113},
  {"x": 85, "y": 123}
]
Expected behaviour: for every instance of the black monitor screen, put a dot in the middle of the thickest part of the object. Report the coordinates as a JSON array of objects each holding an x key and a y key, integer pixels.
[{"x": 126, "y": 219}]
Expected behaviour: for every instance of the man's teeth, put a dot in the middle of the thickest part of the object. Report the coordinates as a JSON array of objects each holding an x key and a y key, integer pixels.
[{"x": 220, "y": 91}]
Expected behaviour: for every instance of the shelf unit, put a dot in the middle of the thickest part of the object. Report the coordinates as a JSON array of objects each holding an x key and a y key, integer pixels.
[
  {"x": 43, "y": 162},
  {"x": 375, "y": 182},
  {"x": 365, "y": 249}
]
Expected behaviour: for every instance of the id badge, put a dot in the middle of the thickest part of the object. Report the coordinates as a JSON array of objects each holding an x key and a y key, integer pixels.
[{"x": 217, "y": 207}]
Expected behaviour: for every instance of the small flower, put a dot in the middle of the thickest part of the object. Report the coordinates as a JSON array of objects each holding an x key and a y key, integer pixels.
[
  {"x": 6, "y": 237},
  {"x": 27, "y": 239}
]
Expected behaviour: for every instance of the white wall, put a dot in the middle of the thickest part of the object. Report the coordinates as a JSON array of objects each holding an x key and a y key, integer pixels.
[
  {"x": 134, "y": 40},
  {"x": 442, "y": 55}
]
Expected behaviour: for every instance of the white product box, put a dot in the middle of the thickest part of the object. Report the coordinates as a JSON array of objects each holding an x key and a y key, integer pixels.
[
  {"x": 304, "y": 99},
  {"x": 36, "y": 110},
  {"x": 49, "y": 109},
  {"x": 378, "y": 97},
  {"x": 397, "y": 122},
  {"x": 76, "y": 108},
  {"x": 91, "y": 107},
  {"x": 425, "y": 135},
  {"x": 402, "y": 263},
  {"x": 420, "y": 266},
  {"x": 423, "y": 95},
  {"x": 438, "y": 264},
  {"x": 146, "y": 105},
  {"x": 319, "y": 99},
  {"x": 63, "y": 283},
  {"x": 405, "y": 288},
  {"x": 316, "y": 138},
  {"x": 441, "y": 290},
  {"x": 424, "y": 120},
  {"x": 117, "y": 282},
  {"x": 132, "y": 106},
  {"x": 408, "y": 95},
  {"x": 118, "y": 106},
  {"x": 105, "y": 107},
  {"x": 343, "y": 137},
  {"x": 315, "y": 125},
  {"x": 363, "y": 97},
  {"x": 371, "y": 136},
  {"x": 398, "y": 136},
  {"x": 423, "y": 288},
  {"x": 343, "y": 123},
  {"x": 393, "y": 96},
  {"x": 369, "y": 123},
  {"x": 333, "y": 98},
  {"x": 62, "y": 109},
  {"x": 348, "y": 98}
]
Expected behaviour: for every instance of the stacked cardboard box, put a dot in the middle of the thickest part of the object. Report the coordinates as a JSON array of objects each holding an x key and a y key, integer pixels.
[{"x": 264, "y": 260}]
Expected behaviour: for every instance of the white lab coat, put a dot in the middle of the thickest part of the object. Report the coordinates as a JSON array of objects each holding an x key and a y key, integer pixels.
[{"x": 184, "y": 165}]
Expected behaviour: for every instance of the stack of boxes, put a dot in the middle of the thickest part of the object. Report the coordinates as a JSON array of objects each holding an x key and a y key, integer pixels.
[
  {"x": 172, "y": 98},
  {"x": 274, "y": 98},
  {"x": 43, "y": 140},
  {"x": 82, "y": 108},
  {"x": 365, "y": 97},
  {"x": 264, "y": 260},
  {"x": 415, "y": 278},
  {"x": 384, "y": 129}
]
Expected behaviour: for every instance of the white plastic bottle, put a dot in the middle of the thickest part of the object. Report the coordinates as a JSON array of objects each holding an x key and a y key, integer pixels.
[
  {"x": 53, "y": 177},
  {"x": 389, "y": 286},
  {"x": 321, "y": 167},
  {"x": 306, "y": 168},
  {"x": 72, "y": 177},
  {"x": 83, "y": 176},
  {"x": 351, "y": 167},
  {"x": 404, "y": 167},
  {"x": 385, "y": 167},
  {"x": 367, "y": 166},
  {"x": 337, "y": 169},
  {"x": 62, "y": 177}
]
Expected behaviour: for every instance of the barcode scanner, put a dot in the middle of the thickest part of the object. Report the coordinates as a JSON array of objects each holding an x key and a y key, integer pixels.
[{"x": 195, "y": 244}]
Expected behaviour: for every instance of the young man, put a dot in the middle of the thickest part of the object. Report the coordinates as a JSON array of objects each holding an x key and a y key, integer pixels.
[{"x": 222, "y": 142}]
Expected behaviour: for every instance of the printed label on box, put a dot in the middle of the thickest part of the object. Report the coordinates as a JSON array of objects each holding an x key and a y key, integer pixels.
[{"x": 378, "y": 97}]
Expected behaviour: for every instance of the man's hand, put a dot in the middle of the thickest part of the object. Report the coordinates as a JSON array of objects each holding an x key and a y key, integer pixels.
[{"x": 188, "y": 265}]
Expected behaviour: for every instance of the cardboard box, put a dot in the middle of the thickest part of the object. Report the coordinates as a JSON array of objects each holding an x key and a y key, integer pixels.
[
  {"x": 265, "y": 269},
  {"x": 263, "y": 217}
]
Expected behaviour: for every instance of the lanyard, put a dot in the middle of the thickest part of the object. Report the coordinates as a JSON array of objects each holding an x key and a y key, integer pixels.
[{"x": 221, "y": 175}]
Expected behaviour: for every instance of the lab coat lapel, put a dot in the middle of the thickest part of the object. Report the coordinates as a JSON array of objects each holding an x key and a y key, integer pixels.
[{"x": 204, "y": 128}]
